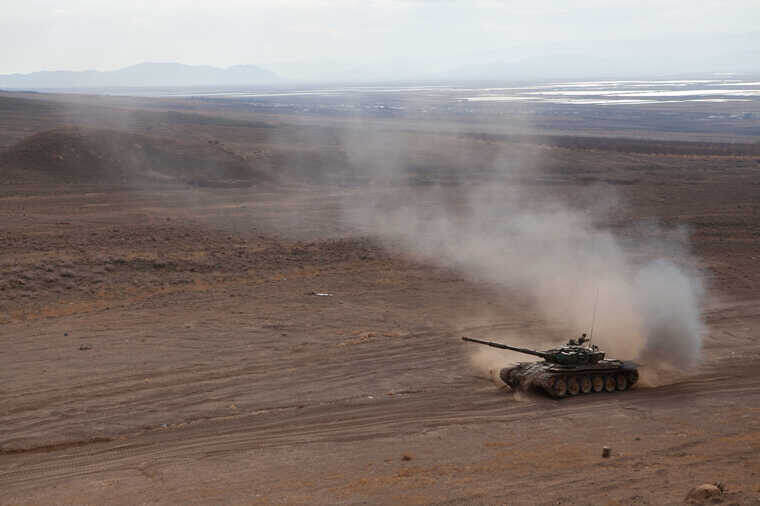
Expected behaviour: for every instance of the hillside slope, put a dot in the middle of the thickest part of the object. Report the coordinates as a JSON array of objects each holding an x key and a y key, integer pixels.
[{"x": 73, "y": 154}]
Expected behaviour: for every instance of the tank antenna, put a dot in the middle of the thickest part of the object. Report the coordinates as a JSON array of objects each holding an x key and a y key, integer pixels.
[
  {"x": 593, "y": 318},
  {"x": 596, "y": 299}
]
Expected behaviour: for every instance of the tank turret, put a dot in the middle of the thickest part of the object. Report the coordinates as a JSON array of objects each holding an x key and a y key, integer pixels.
[{"x": 577, "y": 367}]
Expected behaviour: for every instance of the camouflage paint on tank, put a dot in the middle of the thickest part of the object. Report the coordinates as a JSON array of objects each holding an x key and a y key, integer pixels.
[{"x": 576, "y": 368}]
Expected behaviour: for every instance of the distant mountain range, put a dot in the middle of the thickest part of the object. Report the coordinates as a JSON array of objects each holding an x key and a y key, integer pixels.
[
  {"x": 668, "y": 57},
  {"x": 143, "y": 74}
]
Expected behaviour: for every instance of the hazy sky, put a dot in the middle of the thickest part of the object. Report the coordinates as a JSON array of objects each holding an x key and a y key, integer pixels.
[{"x": 428, "y": 34}]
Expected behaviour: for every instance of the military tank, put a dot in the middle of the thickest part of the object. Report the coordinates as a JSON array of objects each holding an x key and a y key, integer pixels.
[{"x": 576, "y": 368}]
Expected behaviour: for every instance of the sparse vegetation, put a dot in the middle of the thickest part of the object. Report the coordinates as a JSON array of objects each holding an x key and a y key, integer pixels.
[{"x": 165, "y": 336}]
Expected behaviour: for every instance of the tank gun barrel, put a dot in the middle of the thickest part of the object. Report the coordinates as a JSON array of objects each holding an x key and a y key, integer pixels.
[{"x": 507, "y": 347}]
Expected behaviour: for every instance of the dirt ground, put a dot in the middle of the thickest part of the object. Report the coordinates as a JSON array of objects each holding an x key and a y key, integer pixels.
[{"x": 169, "y": 343}]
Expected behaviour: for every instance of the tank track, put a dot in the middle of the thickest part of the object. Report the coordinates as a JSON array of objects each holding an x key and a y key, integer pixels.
[{"x": 560, "y": 384}]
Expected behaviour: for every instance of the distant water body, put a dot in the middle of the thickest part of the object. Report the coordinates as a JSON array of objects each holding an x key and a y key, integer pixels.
[
  {"x": 576, "y": 92},
  {"x": 626, "y": 92}
]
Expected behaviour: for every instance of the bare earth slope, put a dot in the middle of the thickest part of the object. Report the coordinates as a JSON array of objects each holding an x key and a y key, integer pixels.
[
  {"x": 175, "y": 344},
  {"x": 70, "y": 154}
]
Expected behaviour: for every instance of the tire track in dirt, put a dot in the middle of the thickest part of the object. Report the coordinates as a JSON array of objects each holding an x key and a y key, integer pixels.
[
  {"x": 320, "y": 394},
  {"x": 324, "y": 376},
  {"x": 348, "y": 420}
]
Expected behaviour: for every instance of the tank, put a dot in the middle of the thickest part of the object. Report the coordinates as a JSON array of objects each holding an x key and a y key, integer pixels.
[{"x": 577, "y": 368}]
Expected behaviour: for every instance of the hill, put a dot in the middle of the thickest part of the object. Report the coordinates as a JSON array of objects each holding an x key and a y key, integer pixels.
[
  {"x": 69, "y": 155},
  {"x": 143, "y": 74}
]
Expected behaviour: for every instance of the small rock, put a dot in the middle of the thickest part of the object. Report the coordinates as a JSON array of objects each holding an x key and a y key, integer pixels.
[
  {"x": 703, "y": 492},
  {"x": 406, "y": 457},
  {"x": 85, "y": 347},
  {"x": 606, "y": 452}
]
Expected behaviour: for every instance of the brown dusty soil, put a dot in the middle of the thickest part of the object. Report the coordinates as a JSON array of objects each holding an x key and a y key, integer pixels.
[{"x": 169, "y": 345}]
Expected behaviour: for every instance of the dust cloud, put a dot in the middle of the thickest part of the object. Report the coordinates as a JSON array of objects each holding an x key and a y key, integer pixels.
[{"x": 559, "y": 256}]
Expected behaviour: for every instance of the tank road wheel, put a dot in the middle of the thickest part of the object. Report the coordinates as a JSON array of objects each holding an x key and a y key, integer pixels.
[
  {"x": 622, "y": 382},
  {"x": 573, "y": 387},
  {"x": 633, "y": 377},
  {"x": 609, "y": 383},
  {"x": 586, "y": 386},
  {"x": 597, "y": 383},
  {"x": 559, "y": 389}
]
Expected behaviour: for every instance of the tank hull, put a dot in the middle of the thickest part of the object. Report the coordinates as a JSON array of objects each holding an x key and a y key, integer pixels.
[{"x": 559, "y": 381}]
